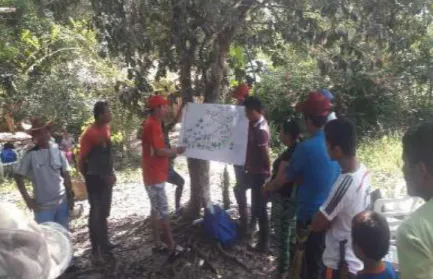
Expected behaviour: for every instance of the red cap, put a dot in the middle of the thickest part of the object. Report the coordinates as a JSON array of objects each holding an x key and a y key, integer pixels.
[
  {"x": 315, "y": 105},
  {"x": 241, "y": 91},
  {"x": 156, "y": 101}
]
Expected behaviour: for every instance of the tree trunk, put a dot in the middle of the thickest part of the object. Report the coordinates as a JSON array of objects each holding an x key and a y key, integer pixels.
[{"x": 199, "y": 169}]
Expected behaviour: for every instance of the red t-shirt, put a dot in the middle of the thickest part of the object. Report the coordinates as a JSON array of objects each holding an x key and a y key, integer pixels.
[{"x": 155, "y": 168}]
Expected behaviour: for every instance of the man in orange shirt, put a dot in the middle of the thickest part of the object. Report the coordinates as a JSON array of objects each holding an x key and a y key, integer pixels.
[
  {"x": 155, "y": 168},
  {"x": 96, "y": 165}
]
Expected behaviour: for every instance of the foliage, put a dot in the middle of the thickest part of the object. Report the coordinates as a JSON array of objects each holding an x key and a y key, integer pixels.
[
  {"x": 50, "y": 68},
  {"x": 58, "y": 57},
  {"x": 382, "y": 156}
]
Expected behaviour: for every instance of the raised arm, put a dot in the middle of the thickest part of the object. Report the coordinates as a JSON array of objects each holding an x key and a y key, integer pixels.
[{"x": 176, "y": 120}]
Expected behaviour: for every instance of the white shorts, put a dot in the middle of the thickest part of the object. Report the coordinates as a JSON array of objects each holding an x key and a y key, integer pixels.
[{"x": 158, "y": 200}]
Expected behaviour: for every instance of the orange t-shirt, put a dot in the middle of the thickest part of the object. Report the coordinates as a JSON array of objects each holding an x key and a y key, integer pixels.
[
  {"x": 155, "y": 168},
  {"x": 93, "y": 136}
]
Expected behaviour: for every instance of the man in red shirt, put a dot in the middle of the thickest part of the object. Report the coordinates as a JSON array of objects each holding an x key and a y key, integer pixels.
[
  {"x": 155, "y": 166},
  {"x": 96, "y": 165}
]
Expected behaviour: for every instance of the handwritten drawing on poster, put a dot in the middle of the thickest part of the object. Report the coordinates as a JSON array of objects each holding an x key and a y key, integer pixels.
[{"x": 215, "y": 132}]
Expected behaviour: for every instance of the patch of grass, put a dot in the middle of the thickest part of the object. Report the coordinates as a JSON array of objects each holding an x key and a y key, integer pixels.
[
  {"x": 383, "y": 158},
  {"x": 129, "y": 175},
  {"x": 7, "y": 186}
]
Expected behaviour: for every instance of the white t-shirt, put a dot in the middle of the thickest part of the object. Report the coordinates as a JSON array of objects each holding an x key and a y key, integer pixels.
[
  {"x": 349, "y": 196},
  {"x": 331, "y": 116},
  {"x": 44, "y": 168}
]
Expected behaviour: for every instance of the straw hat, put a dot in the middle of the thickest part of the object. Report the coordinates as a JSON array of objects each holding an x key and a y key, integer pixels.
[{"x": 35, "y": 124}]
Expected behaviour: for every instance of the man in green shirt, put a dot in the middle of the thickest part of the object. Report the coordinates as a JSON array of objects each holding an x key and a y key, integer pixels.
[{"x": 415, "y": 235}]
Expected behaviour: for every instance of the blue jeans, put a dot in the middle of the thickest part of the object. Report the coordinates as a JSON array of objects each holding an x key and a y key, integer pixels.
[{"x": 58, "y": 214}]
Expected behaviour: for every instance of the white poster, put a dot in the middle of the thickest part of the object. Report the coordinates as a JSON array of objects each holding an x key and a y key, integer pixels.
[{"x": 215, "y": 132}]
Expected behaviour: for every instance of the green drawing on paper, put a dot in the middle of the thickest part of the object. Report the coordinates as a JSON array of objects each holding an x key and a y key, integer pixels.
[{"x": 211, "y": 131}]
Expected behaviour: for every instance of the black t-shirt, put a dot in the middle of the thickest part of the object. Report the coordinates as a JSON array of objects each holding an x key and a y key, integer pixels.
[{"x": 286, "y": 156}]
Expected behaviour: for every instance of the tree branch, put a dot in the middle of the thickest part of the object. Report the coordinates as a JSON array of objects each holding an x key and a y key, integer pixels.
[{"x": 28, "y": 69}]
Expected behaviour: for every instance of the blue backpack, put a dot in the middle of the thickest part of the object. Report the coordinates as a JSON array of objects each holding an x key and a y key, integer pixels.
[
  {"x": 8, "y": 156},
  {"x": 220, "y": 226}
]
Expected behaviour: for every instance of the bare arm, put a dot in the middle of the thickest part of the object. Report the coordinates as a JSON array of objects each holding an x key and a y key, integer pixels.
[
  {"x": 19, "y": 179},
  {"x": 169, "y": 152},
  {"x": 265, "y": 152},
  {"x": 68, "y": 186},
  {"x": 320, "y": 223},
  {"x": 176, "y": 120},
  {"x": 67, "y": 180},
  {"x": 280, "y": 179}
]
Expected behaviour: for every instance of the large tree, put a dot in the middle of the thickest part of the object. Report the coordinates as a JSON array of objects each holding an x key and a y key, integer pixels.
[{"x": 191, "y": 38}]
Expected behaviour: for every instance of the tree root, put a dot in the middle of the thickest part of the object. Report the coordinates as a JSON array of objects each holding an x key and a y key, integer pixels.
[
  {"x": 207, "y": 262},
  {"x": 232, "y": 258}
]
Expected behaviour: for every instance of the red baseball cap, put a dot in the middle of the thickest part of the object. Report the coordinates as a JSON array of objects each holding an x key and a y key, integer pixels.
[
  {"x": 156, "y": 101},
  {"x": 315, "y": 105},
  {"x": 241, "y": 91}
]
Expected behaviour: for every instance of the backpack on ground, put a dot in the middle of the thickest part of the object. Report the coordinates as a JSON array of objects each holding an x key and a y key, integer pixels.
[{"x": 220, "y": 226}]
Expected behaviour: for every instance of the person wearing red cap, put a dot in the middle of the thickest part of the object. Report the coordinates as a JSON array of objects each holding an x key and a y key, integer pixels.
[
  {"x": 155, "y": 166},
  {"x": 96, "y": 165},
  {"x": 311, "y": 162},
  {"x": 240, "y": 93}
]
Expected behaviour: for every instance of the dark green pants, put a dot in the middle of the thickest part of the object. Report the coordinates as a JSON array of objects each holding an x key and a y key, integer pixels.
[{"x": 284, "y": 223}]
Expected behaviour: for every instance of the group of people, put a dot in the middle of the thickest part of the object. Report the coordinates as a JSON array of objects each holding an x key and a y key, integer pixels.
[
  {"x": 320, "y": 192},
  {"x": 321, "y": 197}
]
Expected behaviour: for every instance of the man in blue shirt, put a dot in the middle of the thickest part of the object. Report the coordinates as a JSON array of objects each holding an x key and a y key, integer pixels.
[{"x": 311, "y": 164}]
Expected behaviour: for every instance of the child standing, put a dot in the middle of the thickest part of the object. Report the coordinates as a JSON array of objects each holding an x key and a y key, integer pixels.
[
  {"x": 349, "y": 196},
  {"x": 371, "y": 236}
]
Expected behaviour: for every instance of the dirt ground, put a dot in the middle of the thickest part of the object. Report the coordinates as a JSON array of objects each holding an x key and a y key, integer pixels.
[{"x": 129, "y": 227}]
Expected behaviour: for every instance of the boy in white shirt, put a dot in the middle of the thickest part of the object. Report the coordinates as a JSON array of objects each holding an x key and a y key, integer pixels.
[{"x": 348, "y": 197}]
